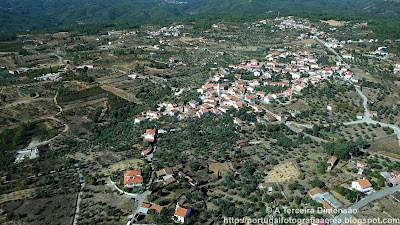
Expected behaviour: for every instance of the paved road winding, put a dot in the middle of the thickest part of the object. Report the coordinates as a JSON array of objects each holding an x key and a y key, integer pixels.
[
  {"x": 363, "y": 202},
  {"x": 367, "y": 117}
]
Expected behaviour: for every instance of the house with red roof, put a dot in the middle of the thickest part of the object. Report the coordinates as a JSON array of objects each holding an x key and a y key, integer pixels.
[
  {"x": 16, "y": 71},
  {"x": 169, "y": 180},
  {"x": 146, "y": 206},
  {"x": 373, "y": 113},
  {"x": 238, "y": 122},
  {"x": 150, "y": 135},
  {"x": 251, "y": 98},
  {"x": 133, "y": 178},
  {"x": 140, "y": 119},
  {"x": 147, "y": 151},
  {"x": 181, "y": 213},
  {"x": 69, "y": 67},
  {"x": 393, "y": 177},
  {"x": 362, "y": 185},
  {"x": 361, "y": 166}
]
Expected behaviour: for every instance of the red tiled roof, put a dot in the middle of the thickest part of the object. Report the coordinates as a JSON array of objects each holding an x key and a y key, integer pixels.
[
  {"x": 133, "y": 179},
  {"x": 145, "y": 205},
  {"x": 181, "y": 211},
  {"x": 133, "y": 172},
  {"x": 170, "y": 180},
  {"x": 315, "y": 191},
  {"x": 156, "y": 207},
  {"x": 363, "y": 183}
]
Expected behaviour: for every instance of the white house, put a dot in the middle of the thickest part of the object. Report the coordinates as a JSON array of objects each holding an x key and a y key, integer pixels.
[
  {"x": 139, "y": 119},
  {"x": 331, "y": 107},
  {"x": 150, "y": 135},
  {"x": 362, "y": 185},
  {"x": 182, "y": 213},
  {"x": 348, "y": 76},
  {"x": 269, "y": 99},
  {"x": 238, "y": 122}
]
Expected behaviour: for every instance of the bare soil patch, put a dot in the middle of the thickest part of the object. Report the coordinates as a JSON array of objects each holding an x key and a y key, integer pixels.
[
  {"x": 361, "y": 74},
  {"x": 123, "y": 165},
  {"x": 334, "y": 23},
  {"x": 16, "y": 195},
  {"x": 282, "y": 173},
  {"x": 215, "y": 167}
]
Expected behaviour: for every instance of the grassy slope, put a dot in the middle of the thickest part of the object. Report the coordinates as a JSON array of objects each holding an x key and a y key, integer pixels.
[{"x": 10, "y": 46}]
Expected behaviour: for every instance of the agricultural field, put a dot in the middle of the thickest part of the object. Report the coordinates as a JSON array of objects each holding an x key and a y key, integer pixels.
[{"x": 10, "y": 46}]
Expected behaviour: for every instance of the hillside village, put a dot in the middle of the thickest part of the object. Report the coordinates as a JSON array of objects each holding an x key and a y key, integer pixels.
[
  {"x": 181, "y": 125},
  {"x": 230, "y": 90}
]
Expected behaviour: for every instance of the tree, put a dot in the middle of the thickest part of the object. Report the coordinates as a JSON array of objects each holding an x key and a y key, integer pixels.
[
  {"x": 317, "y": 183},
  {"x": 360, "y": 142},
  {"x": 268, "y": 199},
  {"x": 341, "y": 149}
]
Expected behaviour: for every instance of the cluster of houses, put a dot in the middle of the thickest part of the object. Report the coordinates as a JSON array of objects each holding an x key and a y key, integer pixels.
[
  {"x": 289, "y": 23},
  {"x": 364, "y": 185},
  {"x": 220, "y": 97},
  {"x": 167, "y": 175},
  {"x": 26, "y": 154},
  {"x": 133, "y": 178},
  {"x": 49, "y": 76},
  {"x": 73, "y": 68},
  {"x": 167, "y": 31},
  {"x": 379, "y": 51},
  {"x": 180, "y": 215},
  {"x": 392, "y": 177}
]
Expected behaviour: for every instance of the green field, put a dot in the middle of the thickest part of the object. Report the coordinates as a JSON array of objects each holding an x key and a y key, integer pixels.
[{"x": 10, "y": 46}]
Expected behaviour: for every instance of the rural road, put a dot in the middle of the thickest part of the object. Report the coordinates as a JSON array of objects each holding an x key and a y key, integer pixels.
[
  {"x": 338, "y": 57},
  {"x": 60, "y": 59},
  {"x": 363, "y": 202},
  {"x": 82, "y": 185},
  {"x": 139, "y": 198},
  {"x": 367, "y": 117}
]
